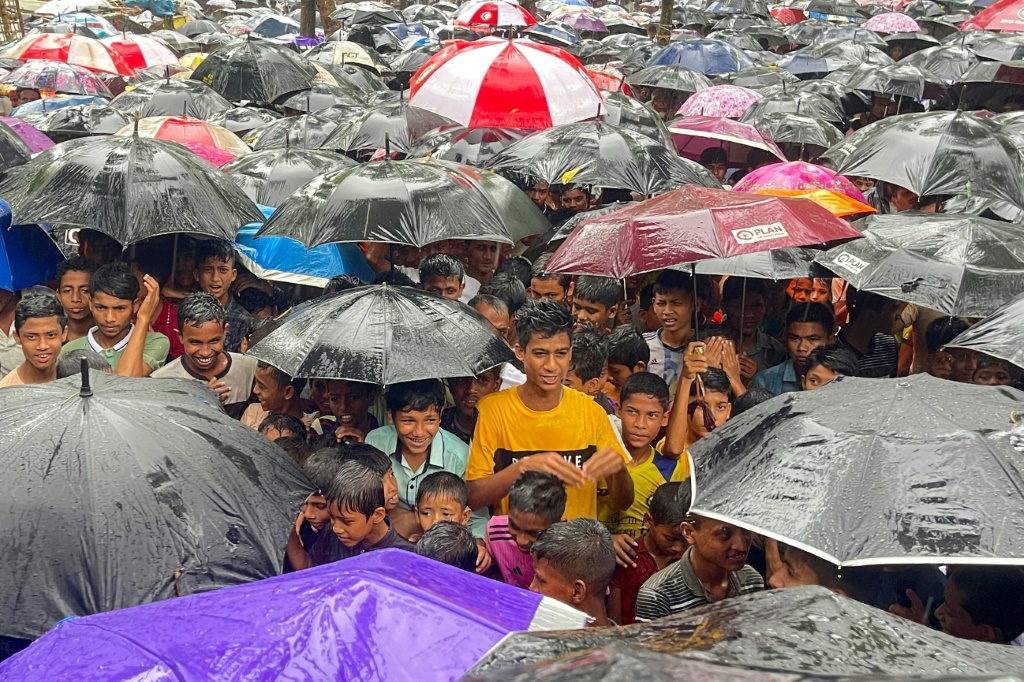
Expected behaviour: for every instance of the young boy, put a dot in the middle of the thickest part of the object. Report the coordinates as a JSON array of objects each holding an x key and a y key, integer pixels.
[
  {"x": 628, "y": 353},
  {"x": 460, "y": 419},
  {"x": 442, "y": 275},
  {"x": 687, "y": 422},
  {"x": 984, "y": 603},
  {"x": 535, "y": 501},
  {"x": 442, "y": 496},
  {"x": 647, "y": 320},
  {"x": 573, "y": 563},
  {"x": 216, "y": 272},
  {"x": 797, "y": 567},
  {"x": 350, "y": 404},
  {"x": 712, "y": 569},
  {"x": 808, "y": 326},
  {"x": 825, "y": 364},
  {"x": 744, "y": 302},
  {"x": 355, "y": 501},
  {"x": 955, "y": 364},
  {"x": 675, "y": 307},
  {"x": 595, "y": 301},
  {"x": 73, "y": 277},
  {"x": 450, "y": 543},
  {"x": 991, "y": 371},
  {"x": 481, "y": 260},
  {"x": 40, "y": 327},
  {"x": 320, "y": 468},
  {"x": 588, "y": 369},
  {"x": 279, "y": 425},
  {"x": 660, "y": 546},
  {"x": 278, "y": 393},
  {"x": 554, "y": 287}
]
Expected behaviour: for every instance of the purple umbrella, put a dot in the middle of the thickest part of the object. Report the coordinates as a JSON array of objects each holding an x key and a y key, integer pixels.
[
  {"x": 29, "y": 134},
  {"x": 387, "y": 615},
  {"x": 584, "y": 22}
]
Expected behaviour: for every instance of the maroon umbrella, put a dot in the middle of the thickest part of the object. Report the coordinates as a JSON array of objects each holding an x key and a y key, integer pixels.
[{"x": 692, "y": 224}]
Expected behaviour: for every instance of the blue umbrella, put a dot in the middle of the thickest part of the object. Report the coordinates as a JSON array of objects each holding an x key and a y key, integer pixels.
[
  {"x": 704, "y": 56},
  {"x": 27, "y": 254},
  {"x": 284, "y": 260},
  {"x": 41, "y": 106}
]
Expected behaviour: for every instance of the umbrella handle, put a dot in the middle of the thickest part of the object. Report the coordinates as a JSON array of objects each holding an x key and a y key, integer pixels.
[{"x": 86, "y": 389}]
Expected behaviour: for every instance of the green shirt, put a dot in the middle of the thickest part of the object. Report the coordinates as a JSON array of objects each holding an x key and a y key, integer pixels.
[{"x": 154, "y": 353}]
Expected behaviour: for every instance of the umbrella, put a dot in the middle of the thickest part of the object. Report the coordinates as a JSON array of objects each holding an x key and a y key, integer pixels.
[
  {"x": 704, "y": 56},
  {"x": 741, "y": 39},
  {"x": 171, "y": 98},
  {"x": 13, "y": 150},
  {"x": 307, "y": 131},
  {"x": 185, "y": 129},
  {"x": 797, "y": 175},
  {"x": 857, "y": 33},
  {"x": 382, "y": 335},
  {"x": 191, "y": 29},
  {"x": 943, "y": 152},
  {"x": 271, "y": 176},
  {"x": 595, "y": 153},
  {"x": 848, "y": 100},
  {"x": 797, "y": 129},
  {"x": 669, "y": 77},
  {"x": 397, "y": 126},
  {"x": 809, "y": 630},
  {"x": 691, "y": 224},
  {"x": 506, "y": 83},
  {"x": 241, "y": 120},
  {"x": 34, "y": 139},
  {"x": 799, "y": 102},
  {"x": 254, "y": 70},
  {"x": 471, "y": 146},
  {"x": 900, "y": 80},
  {"x": 365, "y": 80},
  {"x": 321, "y": 96},
  {"x": 958, "y": 264},
  {"x": 892, "y": 22},
  {"x": 694, "y": 134},
  {"x": 550, "y": 240},
  {"x": 335, "y": 52},
  {"x": 141, "y": 52},
  {"x": 58, "y": 77},
  {"x": 773, "y": 264},
  {"x": 129, "y": 188},
  {"x": 948, "y": 62},
  {"x": 1002, "y": 15},
  {"x": 70, "y": 48},
  {"x": 424, "y": 13},
  {"x": 47, "y": 104},
  {"x": 367, "y": 13},
  {"x": 998, "y": 335},
  {"x": 411, "y": 61},
  {"x": 178, "y": 42},
  {"x": 213, "y": 39},
  {"x": 893, "y": 449},
  {"x": 367, "y": 607},
  {"x": 272, "y": 25},
  {"x": 990, "y": 85},
  {"x": 153, "y": 481},
  {"x": 493, "y": 13},
  {"x": 837, "y": 203},
  {"x": 553, "y": 33},
  {"x": 215, "y": 155},
  {"x": 721, "y": 101},
  {"x": 757, "y": 77},
  {"x": 27, "y": 257},
  {"x": 626, "y": 112}
]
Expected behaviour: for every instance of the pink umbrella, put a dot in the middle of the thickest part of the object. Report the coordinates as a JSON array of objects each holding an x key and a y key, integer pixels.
[
  {"x": 722, "y": 101},
  {"x": 797, "y": 175},
  {"x": 218, "y": 157},
  {"x": 35, "y": 139},
  {"x": 694, "y": 134},
  {"x": 892, "y": 22}
]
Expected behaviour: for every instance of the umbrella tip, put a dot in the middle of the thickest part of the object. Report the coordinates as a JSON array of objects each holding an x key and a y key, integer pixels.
[
  {"x": 86, "y": 388},
  {"x": 387, "y": 147},
  {"x": 135, "y": 130}
]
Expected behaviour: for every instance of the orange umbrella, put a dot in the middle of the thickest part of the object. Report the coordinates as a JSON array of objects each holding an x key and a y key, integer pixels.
[{"x": 839, "y": 204}]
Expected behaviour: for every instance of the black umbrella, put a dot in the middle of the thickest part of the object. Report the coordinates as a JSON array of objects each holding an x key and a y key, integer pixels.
[
  {"x": 795, "y": 102},
  {"x": 910, "y": 41},
  {"x": 808, "y": 31},
  {"x": 129, "y": 188},
  {"x": 1000, "y": 335},
  {"x": 13, "y": 151},
  {"x": 625, "y": 112},
  {"x": 382, "y": 335},
  {"x": 957, "y": 264},
  {"x": 669, "y": 77},
  {"x": 591, "y": 51},
  {"x": 856, "y": 33},
  {"x": 308, "y": 131},
  {"x": 948, "y": 62},
  {"x": 191, "y": 29},
  {"x": 797, "y": 129},
  {"x": 850, "y": 51},
  {"x": 990, "y": 85},
  {"x": 254, "y": 70},
  {"x": 83, "y": 120},
  {"x": 773, "y": 264},
  {"x": 848, "y": 100},
  {"x": 271, "y": 176},
  {"x": 474, "y": 147},
  {"x": 923, "y": 8},
  {"x": 756, "y": 77},
  {"x": 179, "y": 42},
  {"x": 213, "y": 39},
  {"x": 171, "y": 98},
  {"x": 901, "y": 80},
  {"x": 839, "y": 8},
  {"x": 80, "y": 29},
  {"x": 241, "y": 120},
  {"x": 742, "y": 39},
  {"x": 1004, "y": 47},
  {"x": 129, "y": 491},
  {"x": 396, "y": 124},
  {"x": 351, "y": 75},
  {"x": 411, "y": 61},
  {"x": 367, "y": 13},
  {"x": 942, "y": 152},
  {"x": 414, "y": 13},
  {"x": 319, "y": 97},
  {"x": 809, "y": 630},
  {"x": 940, "y": 27}
]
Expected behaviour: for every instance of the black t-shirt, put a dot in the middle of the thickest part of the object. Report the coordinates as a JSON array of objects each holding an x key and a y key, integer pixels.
[
  {"x": 328, "y": 548},
  {"x": 449, "y": 424}
]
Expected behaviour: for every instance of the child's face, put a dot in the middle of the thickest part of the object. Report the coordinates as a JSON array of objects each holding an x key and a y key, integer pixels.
[
  {"x": 546, "y": 361},
  {"x": 215, "y": 277},
  {"x": 817, "y": 377},
  {"x": 667, "y": 539},
  {"x": 642, "y": 418},
  {"x": 956, "y": 621},
  {"x": 548, "y": 289},
  {"x": 525, "y": 528},
  {"x": 597, "y": 314},
  {"x": 618, "y": 373},
  {"x": 432, "y": 509},
  {"x": 390, "y": 490},
  {"x": 446, "y": 287},
  {"x": 993, "y": 375},
  {"x": 794, "y": 571},
  {"x": 719, "y": 543},
  {"x": 315, "y": 511},
  {"x": 349, "y": 401},
  {"x": 416, "y": 429},
  {"x": 720, "y": 406},
  {"x": 318, "y": 391},
  {"x": 549, "y": 581},
  {"x": 272, "y": 396},
  {"x": 674, "y": 309},
  {"x": 351, "y": 526},
  {"x": 745, "y": 316}
]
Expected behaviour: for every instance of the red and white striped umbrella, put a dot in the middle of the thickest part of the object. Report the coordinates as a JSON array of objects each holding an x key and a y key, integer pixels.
[
  {"x": 494, "y": 13},
  {"x": 141, "y": 52},
  {"x": 186, "y": 129},
  {"x": 506, "y": 83},
  {"x": 70, "y": 48}
]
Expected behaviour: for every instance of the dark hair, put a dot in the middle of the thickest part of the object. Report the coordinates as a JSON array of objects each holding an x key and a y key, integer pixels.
[
  {"x": 254, "y": 299},
  {"x": 812, "y": 313},
  {"x": 754, "y": 396},
  {"x": 539, "y": 272},
  {"x": 518, "y": 267},
  {"x": 710, "y": 331},
  {"x": 153, "y": 259},
  {"x": 115, "y": 280},
  {"x": 356, "y": 487},
  {"x": 441, "y": 265},
  {"x": 993, "y": 596},
  {"x": 367, "y": 455},
  {"x": 645, "y": 383},
  {"x": 216, "y": 249},
  {"x": 70, "y": 364},
  {"x": 684, "y": 498},
  {"x": 646, "y": 297},
  {"x": 663, "y": 507},
  {"x": 295, "y": 446},
  {"x": 39, "y": 305},
  {"x": 716, "y": 381},
  {"x": 415, "y": 396},
  {"x": 538, "y": 494},
  {"x": 322, "y": 466},
  {"x": 834, "y": 358},
  {"x": 281, "y": 378},
  {"x": 713, "y": 155},
  {"x": 508, "y": 288},
  {"x": 342, "y": 283},
  {"x": 627, "y": 347},
  {"x": 674, "y": 280},
  {"x": 589, "y": 353},
  {"x": 76, "y": 264},
  {"x": 581, "y": 549},
  {"x": 284, "y": 422},
  {"x": 603, "y": 290},
  {"x": 444, "y": 484},
  {"x": 198, "y": 309},
  {"x": 544, "y": 319},
  {"x": 394, "y": 278},
  {"x": 450, "y": 543},
  {"x": 859, "y": 301},
  {"x": 861, "y": 584},
  {"x": 943, "y": 330},
  {"x": 732, "y": 289},
  {"x": 488, "y": 300}
]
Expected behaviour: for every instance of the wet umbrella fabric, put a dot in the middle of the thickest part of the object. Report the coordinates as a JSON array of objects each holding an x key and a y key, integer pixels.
[
  {"x": 306, "y": 131},
  {"x": 999, "y": 335},
  {"x": 703, "y": 56},
  {"x": 129, "y": 188},
  {"x": 241, "y": 120},
  {"x": 255, "y": 71},
  {"x": 27, "y": 257},
  {"x": 160, "y": 494},
  {"x": 83, "y": 120},
  {"x": 797, "y": 129},
  {"x": 398, "y": 126},
  {"x": 59, "y": 77},
  {"x": 171, "y": 98},
  {"x": 13, "y": 151},
  {"x": 893, "y": 449},
  {"x": 382, "y": 335},
  {"x": 271, "y": 176},
  {"x": 626, "y": 112},
  {"x": 774, "y": 264},
  {"x": 471, "y": 146},
  {"x": 33, "y": 138}
]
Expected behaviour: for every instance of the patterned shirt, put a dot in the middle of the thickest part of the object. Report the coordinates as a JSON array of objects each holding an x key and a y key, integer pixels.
[
  {"x": 515, "y": 565},
  {"x": 665, "y": 361}
]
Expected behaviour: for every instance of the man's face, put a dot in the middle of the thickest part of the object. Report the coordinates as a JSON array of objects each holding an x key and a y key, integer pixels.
[
  {"x": 817, "y": 377},
  {"x": 720, "y": 406},
  {"x": 499, "y": 319},
  {"x": 597, "y": 314},
  {"x": 576, "y": 200},
  {"x": 674, "y": 309},
  {"x": 803, "y": 337},
  {"x": 862, "y": 183},
  {"x": 880, "y": 106},
  {"x": 482, "y": 256},
  {"x": 719, "y": 543},
  {"x": 667, "y": 539},
  {"x": 525, "y": 528},
  {"x": 745, "y": 317},
  {"x": 24, "y": 97},
  {"x": 718, "y": 169},
  {"x": 903, "y": 199},
  {"x": 416, "y": 429},
  {"x": 546, "y": 361},
  {"x": 112, "y": 315},
  {"x": 203, "y": 345},
  {"x": 350, "y": 525},
  {"x": 550, "y": 582},
  {"x": 539, "y": 193},
  {"x": 315, "y": 511},
  {"x": 73, "y": 294},
  {"x": 273, "y": 396},
  {"x": 642, "y": 418},
  {"x": 215, "y": 278},
  {"x": 467, "y": 391},
  {"x": 993, "y": 375},
  {"x": 956, "y": 621},
  {"x": 434, "y": 509},
  {"x": 794, "y": 571},
  {"x": 349, "y": 401},
  {"x": 41, "y": 339},
  {"x": 550, "y": 289},
  {"x": 446, "y": 287}
]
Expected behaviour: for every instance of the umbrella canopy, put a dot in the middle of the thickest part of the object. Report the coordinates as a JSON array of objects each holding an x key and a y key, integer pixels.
[
  {"x": 774, "y": 264},
  {"x": 171, "y": 98},
  {"x": 999, "y": 334},
  {"x": 191, "y": 29},
  {"x": 506, "y": 83},
  {"x": 626, "y": 112},
  {"x": 321, "y": 96},
  {"x": 838, "y": 204},
  {"x": 47, "y": 104},
  {"x": 720, "y": 101},
  {"x": 13, "y": 150},
  {"x": 58, "y": 77},
  {"x": 382, "y": 335},
  {"x": 334, "y": 52},
  {"x": 595, "y": 153},
  {"x": 757, "y": 77},
  {"x": 694, "y": 134},
  {"x": 948, "y": 62},
  {"x": 33, "y": 138},
  {"x": 397, "y": 126},
  {"x": 367, "y": 13},
  {"x": 958, "y": 264},
  {"x": 129, "y": 188},
  {"x": 185, "y": 129},
  {"x": 669, "y": 77},
  {"x": 241, "y": 120},
  {"x": 215, "y": 155},
  {"x": 141, "y": 52},
  {"x": 797, "y": 175},
  {"x": 471, "y": 146},
  {"x": 692, "y": 224},
  {"x": 901, "y": 80},
  {"x": 70, "y": 48},
  {"x": 703, "y": 56},
  {"x": 494, "y": 13},
  {"x": 254, "y": 70},
  {"x": 809, "y": 630},
  {"x": 154, "y": 481},
  {"x": 307, "y": 131},
  {"x": 892, "y": 22},
  {"x": 27, "y": 257},
  {"x": 893, "y": 449},
  {"x": 797, "y": 129},
  {"x": 179, "y": 42},
  {"x": 271, "y": 176},
  {"x": 795, "y": 102},
  {"x": 1002, "y": 15}
]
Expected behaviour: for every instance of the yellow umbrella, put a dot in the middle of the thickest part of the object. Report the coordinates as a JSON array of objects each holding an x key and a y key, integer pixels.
[
  {"x": 192, "y": 60},
  {"x": 837, "y": 203}
]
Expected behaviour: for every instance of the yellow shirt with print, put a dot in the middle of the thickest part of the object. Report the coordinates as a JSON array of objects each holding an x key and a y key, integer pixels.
[
  {"x": 646, "y": 479},
  {"x": 507, "y": 431},
  {"x": 682, "y": 470}
]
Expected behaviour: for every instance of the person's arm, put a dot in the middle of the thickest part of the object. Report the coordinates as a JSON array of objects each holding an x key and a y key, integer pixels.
[
  {"x": 694, "y": 363},
  {"x": 608, "y": 463},
  {"x": 483, "y": 492},
  {"x": 296, "y": 553},
  {"x": 132, "y": 363}
]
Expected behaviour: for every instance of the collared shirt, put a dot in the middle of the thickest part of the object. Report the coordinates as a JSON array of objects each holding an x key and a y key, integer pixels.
[
  {"x": 447, "y": 453},
  {"x": 154, "y": 351},
  {"x": 239, "y": 375},
  {"x": 779, "y": 379},
  {"x": 767, "y": 352},
  {"x": 239, "y": 322}
]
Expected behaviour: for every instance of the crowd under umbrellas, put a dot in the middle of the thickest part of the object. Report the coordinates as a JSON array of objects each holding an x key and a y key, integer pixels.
[{"x": 694, "y": 339}]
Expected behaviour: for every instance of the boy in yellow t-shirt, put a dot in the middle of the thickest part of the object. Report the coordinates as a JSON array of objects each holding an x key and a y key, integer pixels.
[{"x": 543, "y": 426}]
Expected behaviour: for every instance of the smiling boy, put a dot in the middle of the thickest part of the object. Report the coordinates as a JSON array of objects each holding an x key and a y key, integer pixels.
[{"x": 40, "y": 327}]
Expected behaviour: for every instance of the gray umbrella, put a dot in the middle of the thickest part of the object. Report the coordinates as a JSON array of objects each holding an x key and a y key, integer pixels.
[{"x": 1000, "y": 335}]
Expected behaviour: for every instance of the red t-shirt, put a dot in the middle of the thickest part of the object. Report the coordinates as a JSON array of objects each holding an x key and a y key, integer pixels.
[
  {"x": 166, "y": 322},
  {"x": 629, "y": 580}
]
